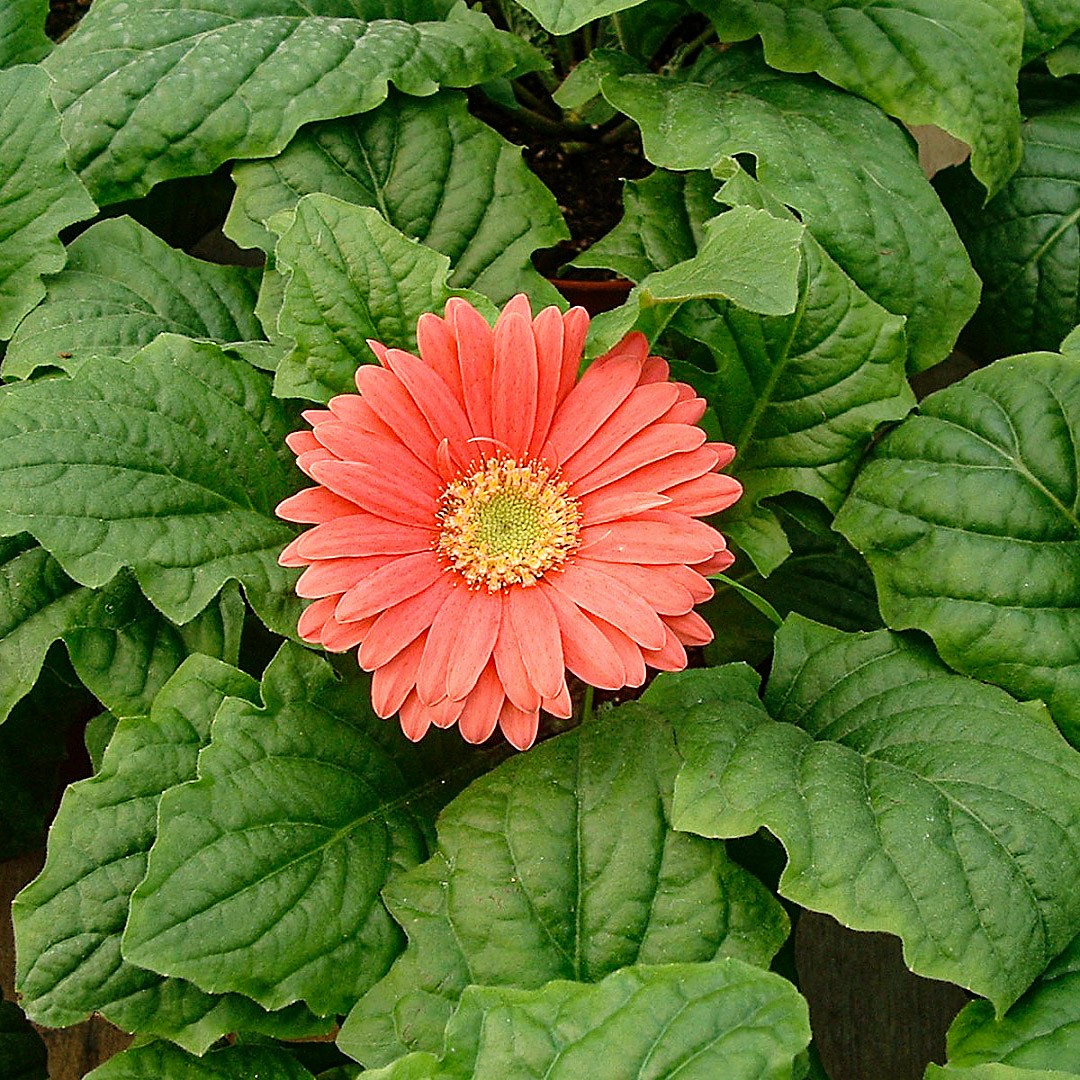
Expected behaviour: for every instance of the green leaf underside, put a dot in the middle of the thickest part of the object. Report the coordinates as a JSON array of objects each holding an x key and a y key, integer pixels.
[
  {"x": 122, "y": 648},
  {"x": 39, "y": 194},
  {"x": 852, "y": 175},
  {"x": 164, "y": 89},
  {"x": 434, "y": 172},
  {"x": 165, "y": 1062},
  {"x": 908, "y": 56},
  {"x": 993, "y": 1071},
  {"x": 170, "y": 464},
  {"x": 121, "y": 287},
  {"x": 1041, "y": 1031},
  {"x": 265, "y": 875},
  {"x": 565, "y": 16},
  {"x": 697, "y": 1021},
  {"x": 1025, "y": 243},
  {"x": 908, "y": 799},
  {"x": 560, "y": 864},
  {"x": 352, "y": 277},
  {"x": 68, "y": 921},
  {"x": 21, "y": 1049},
  {"x": 985, "y": 476},
  {"x": 22, "y": 32}
]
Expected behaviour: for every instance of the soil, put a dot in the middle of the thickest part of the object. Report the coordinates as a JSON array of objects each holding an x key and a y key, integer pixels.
[{"x": 63, "y": 15}]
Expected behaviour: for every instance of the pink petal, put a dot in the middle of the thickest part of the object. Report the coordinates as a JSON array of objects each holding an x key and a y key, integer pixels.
[
  {"x": 476, "y": 358},
  {"x": 629, "y": 651},
  {"x": 708, "y": 494},
  {"x": 438, "y": 347},
  {"x": 396, "y": 580},
  {"x": 591, "y": 589},
  {"x": 655, "y": 369},
  {"x": 380, "y": 491},
  {"x": 482, "y": 707},
  {"x": 695, "y": 584},
  {"x": 445, "y": 713},
  {"x": 649, "y": 542},
  {"x": 514, "y": 382},
  {"x": 312, "y": 506},
  {"x": 656, "y": 443},
  {"x": 391, "y": 683},
  {"x": 340, "y": 637},
  {"x": 614, "y": 502},
  {"x": 587, "y": 651},
  {"x": 362, "y": 534},
  {"x": 472, "y": 648},
  {"x": 415, "y": 718},
  {"x": 660, "y": 475},
  {"x": 392, "y": 403},
  {"x": 672, "y": 657},
  {"x": 301, "y": 442},
  {"x": 433, "y": 397},
  {"x": 396, "y": 627},
  {"x": 603, "y": 388},
  {"x": 510, "y": 665},
  {"x": 313, "y": 618},
  {"x": 658, "y": 586},
  {"x": 316, "y": 416},
  {"x": 575, "y": 330},
  {"x": 353, "y": 410},
  {"x": 686, "y": 411},
  {"x": 690, "y": 629},
  {"x": 335, "y": 576},
  {"x": 442, "y": 640},
  {"x": 716, "y": 565},
  {"x": 519, "y": 727},
  {"x": 535, "y": 623},
  {"x": 308, "y": 458},
  {"x": 289, "y": 557},
  {"x": 725, "y": 452},
  {"x": 560, "y": 705},
  {"x": 547, "y": 329},
  {"x": 644, "y": 406}
]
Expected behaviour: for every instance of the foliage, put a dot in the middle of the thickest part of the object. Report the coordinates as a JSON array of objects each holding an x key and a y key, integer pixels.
[{"x": 256, "y": 854}]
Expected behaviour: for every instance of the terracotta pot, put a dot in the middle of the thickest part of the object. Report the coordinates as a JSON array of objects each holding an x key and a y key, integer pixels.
[{"x": 594, "y": 296}]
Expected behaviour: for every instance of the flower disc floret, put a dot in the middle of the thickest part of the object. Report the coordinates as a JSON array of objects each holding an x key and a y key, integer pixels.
[{"x": 507, "y": 523}]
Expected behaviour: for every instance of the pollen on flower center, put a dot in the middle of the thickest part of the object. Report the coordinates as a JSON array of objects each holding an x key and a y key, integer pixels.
[{"x": 507, "y": 523}]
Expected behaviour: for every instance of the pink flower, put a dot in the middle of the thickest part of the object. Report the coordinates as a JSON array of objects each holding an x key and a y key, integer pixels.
[{"x": 485, "y": 521}]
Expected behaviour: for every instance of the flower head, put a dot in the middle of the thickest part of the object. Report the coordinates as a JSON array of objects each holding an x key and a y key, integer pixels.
[{"x": 485, "y": 521}]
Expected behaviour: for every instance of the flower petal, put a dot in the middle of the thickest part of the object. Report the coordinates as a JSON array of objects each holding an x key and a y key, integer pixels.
[
  {"x": 513, "y": 408},
  {"x": 472, "y": 649},
  {"x": 391, "y": 683},
  {"x": 658, "y": 586},
  {"x": 705, "y": 495},
  {"x": 519, "y": 727},
  {"x": 575, "y": 330},
  {"x": 660, "y": 475},
  {"x": 362, "y": 534},
  {"x": 380, "y": 491},
  {"x": 547, "y": 329},
  {"x": 438, "y": 347},
  {"x": 536, "y": 626},
  {"x": 476, "y": 358},
  {"x": 560, "y": 705},
  {"x": 396, "y": 580},
  {"x": 314, "y": 616},
  {"x": 716, "y": 565},
  {"x": 630, "y": 653},
  {"x": 614, "y": 502},
  {"x": 444, "y": 714},
  {"x": 595, "y": 592},
  {"x": 649, "y": 542},
  {"x": 510, "y": 666},
  {"x": 353, "y": 410},
  {"x": 415, "y": 718},
  {"x": 461, "y": 605},
  {"x": 672, "y": 657},
  {"x": 655, "y": 444},
  {"x": 482, "y": 707},
  {"x": 396, "y": 627},
  {"x": 588, "y": 653},
  {"x": 328, "y": 577},
  {"x": 341, "y": 636},
  {"x": 312, "y": 506},
  {"x": 434, "y": 399},
  {"x": 393, "y": 404},
  {"x": 690, "y": 628}
]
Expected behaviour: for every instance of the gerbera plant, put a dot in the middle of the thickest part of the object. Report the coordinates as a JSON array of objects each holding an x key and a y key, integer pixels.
[{"x": 746, "y": 598}]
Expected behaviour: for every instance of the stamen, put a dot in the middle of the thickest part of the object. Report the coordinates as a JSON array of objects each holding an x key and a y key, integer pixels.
[{"x": 507, "y": 523}]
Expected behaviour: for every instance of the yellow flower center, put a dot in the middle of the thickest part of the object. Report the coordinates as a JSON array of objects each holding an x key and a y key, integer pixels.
[{"x": 507, "y": 523}]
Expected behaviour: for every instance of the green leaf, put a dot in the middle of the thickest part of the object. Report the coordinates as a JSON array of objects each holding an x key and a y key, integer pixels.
[
  {"x": 21, "y": 1050},
  {"x": 1041, "y": 1031},
  {"x": 352, "y": 277},
  {"x": 993, "y": 1071},
  {"x": 909, "y": 799},
  {"x": 851, "y": 173},
  {"x": 170, "y": 464},
  {"x": 560, "y": 864},
  {"x": 1022, "y": 242},
  {"x": 121, "y": 287},
  {"x": 1048, "y": 23},
  {"x": 122, "y": 649},
  {"x": 724, "y": 1018},
  {"x": 68, "y": 921},
  {"x": 909, "y": 57},
  {"x": 747, "y": 256},
  {"x": 434, "y": 172},
  {"x": 985, "y": 477},
  {"x": 39, "y": 194},
  {"x": 265, "y": 875},
  {"x": 164, "y": 1062},
  {"x": 22, "y": 32},
  {"x": 165, "y": 89},
  {"x": 566, "y": 16}
]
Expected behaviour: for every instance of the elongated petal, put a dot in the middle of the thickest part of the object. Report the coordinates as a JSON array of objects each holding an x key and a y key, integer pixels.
[
  {"x": 672, "y": 657},
  {"x": 547, "y": 329},
  {"x": 717, "y": 564},
  {"x": 472, "y": 649},
  {"x": 390, "y": 584},
  {"x": 442, "y": 641},
  {"x": 560, "y": 705},
  {"x": 353, "y": 410},
  {"x": 432, "y": 396},
  {"x": 379, "y": 492},
  {"x": 328, "y": 577},
  {"x": 312, "y": 506},
  {"x": 314, "y": 617},
  {"x": 648, "y": 542},
  {"x": 396, "y": 627},
  {"x": 439, "y": 349},
  {"x": 391, "y": 402},
  {"x": 513, "y": 408},
  {"x": 444, "y": 714},
  {"x": 705, "y": 495},
  {"x": 655, "y": 444},
  {"x": 341, "y": 636},
  {"x": 658, "y": 586},
  {"x": 519, "y": 727},
  {"x": 289, "y": 557},
  {"x": 415, "y": 718},
  {"x": 510, "y": 666},
  {"x": 588, "y": 653},
  {"x": 362, "y": 534},
  {"x": 575, "y": 330},
  {"x": 537, "y": 629},
  {"x": 476, "y": 358},
  {"x": 629, "y": 651},
  {"x": 481, "y": 708},
  {"x": 614, "y": 502},
  {"x": 690, "y": 628},
  {"x": 669, "y": 471},
  {"x": 301, "y": 442},
  {"x": 391, "y": 683}
]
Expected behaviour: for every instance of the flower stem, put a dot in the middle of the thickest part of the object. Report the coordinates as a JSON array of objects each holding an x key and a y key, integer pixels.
[
  {"x": 587, "y": 705},
  {"x": 753, "y": 598}
]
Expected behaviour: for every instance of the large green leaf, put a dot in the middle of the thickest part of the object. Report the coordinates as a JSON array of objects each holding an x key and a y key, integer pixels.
[
  {"x": 265, "y": 875},
  {"x": 170, "y": 464},
  {"x": 908, "y": 56},
  {"x": 22, "y": 32},
  {"x": 992, "y": 1071},
  {"x": 121, "y": 287},
  {"x": 162, "y": 1061},
  {"x": 1048, "y": 23},
  {"x": 1024, "y": 243},
  {"x": 852, "y": 174},
  {"x": 692, "y": 1021},
  {"x": 351, "y": 277},
  {"x": 167, "y": 89},
  {"x": 968, "y": 516},
  {"x": 1041, "y": 1031},
  {"x": 122, "y": 649},
  {"x": 560, "y": 864},
  {"x": 909, "y": 799},
  {"x": 434, "y": 171},
  {"x": 68, "y": 921},
  {"x": 565, "y": 16},
  {"x": 22, "y": 1052},
  {"x": 39, "y": 194}
]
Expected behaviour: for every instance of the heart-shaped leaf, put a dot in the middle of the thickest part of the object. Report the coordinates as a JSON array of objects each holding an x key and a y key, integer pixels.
[
  {"x": 566, "y": 16},
  {"x": 560, "y": 864},
  {"x": 265, "y": 875},
  {"x": 435, "y": 172},
  {"x": 724, "y": 1018},
  {"x": 908, "y": 56},
  {"x": 967, "y": 514},
  {"x": 22, "y": 32},
  {"x": 909, "y": 799},
  {"x": 39, "y": 194},
  {"x": 170, "y": 464},
  {"x": 121, "y": 287},
  {"x": 851, "y": 173},
  {"x": 166, "y": 89},
  {"x": 68, "y": 921}
]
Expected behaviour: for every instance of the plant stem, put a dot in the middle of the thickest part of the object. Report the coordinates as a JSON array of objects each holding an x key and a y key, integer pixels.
[
  {"x": 587, "y": 705},
  {"x": 752, "y": 598}
]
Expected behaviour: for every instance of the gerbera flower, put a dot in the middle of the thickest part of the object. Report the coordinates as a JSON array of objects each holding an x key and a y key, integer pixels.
[{"x": 485, "y": 521}]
